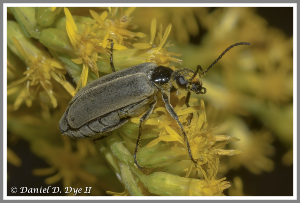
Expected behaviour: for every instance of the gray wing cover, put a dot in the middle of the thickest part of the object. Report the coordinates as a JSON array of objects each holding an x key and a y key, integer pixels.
[
  {"x": 108, "y": 97},
  {"x": 141, "y": 68}
]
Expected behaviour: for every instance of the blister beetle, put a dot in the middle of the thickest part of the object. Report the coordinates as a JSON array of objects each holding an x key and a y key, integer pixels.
[{"x": 110, "y": 101}]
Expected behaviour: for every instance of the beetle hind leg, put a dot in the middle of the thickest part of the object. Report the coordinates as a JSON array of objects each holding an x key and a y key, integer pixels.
[{"x": 143, "y": 119}]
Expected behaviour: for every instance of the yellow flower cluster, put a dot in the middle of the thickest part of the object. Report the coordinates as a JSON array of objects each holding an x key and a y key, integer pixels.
[
  {"x": 40, "y": 69},
  {"x": 95, "y": 39}
]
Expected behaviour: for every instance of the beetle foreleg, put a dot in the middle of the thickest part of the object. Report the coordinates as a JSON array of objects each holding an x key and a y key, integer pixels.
[
  {"x": 143, "y": 119},
  {"x": 172, "y": 112},
  {"x": 188, "y": 95}
]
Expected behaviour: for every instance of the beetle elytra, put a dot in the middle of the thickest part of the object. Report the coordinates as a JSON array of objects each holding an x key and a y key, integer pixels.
[{"x": 110, "y": 101}]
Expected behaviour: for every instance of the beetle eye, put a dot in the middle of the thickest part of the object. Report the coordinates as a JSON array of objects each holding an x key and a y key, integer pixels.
[{"x": 181, "y": 82}]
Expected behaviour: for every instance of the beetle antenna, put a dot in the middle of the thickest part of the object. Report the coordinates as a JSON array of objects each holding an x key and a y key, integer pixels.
[
  {"x": 236, "y": 44},
  {"x": 198, "y": 68}
]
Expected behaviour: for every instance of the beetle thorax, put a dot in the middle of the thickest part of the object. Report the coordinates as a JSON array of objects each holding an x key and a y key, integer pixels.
[{"x": 161, "y": 77}]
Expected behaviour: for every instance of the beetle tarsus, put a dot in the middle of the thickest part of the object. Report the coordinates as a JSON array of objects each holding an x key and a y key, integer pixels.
[{"x": 135, "y": 161}]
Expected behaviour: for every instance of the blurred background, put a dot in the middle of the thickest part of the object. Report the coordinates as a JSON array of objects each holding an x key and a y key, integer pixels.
[{"x": 249, "y": 96}]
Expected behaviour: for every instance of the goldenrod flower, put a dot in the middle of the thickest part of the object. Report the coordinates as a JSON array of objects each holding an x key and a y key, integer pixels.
[
  {"x": 95, "y": 40},
  {"x": 257, "y": 150},
  {"x": 156, "y": 49},
  {"x": 66, "y": 164},
  {"x": 40, "y": 70},
  {"x": 115, "y": 29},
  {"x": 84, "y": 48}
]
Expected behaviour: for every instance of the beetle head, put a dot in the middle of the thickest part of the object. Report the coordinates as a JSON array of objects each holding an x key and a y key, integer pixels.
[{"x": 188, "y": 80}]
